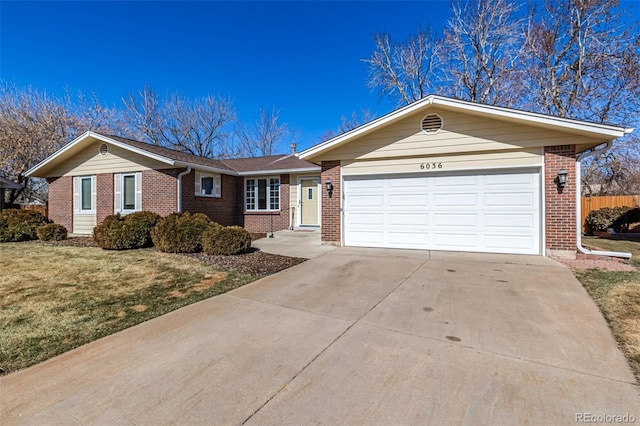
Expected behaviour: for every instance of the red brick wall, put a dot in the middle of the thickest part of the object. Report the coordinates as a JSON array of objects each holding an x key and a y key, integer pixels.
[
  {"x": 221, "y": 210},
  {"x": 104, "y": 196},
  {"x": 560, "y": 215},
  {"x": 262, "y": 221},
  {"x": 160, "y": 191},
  {"x": 331, "y": 205},
  {"x": 60, "y": 202}
]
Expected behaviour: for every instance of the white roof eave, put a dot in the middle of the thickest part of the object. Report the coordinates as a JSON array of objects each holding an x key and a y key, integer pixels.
[
  {"x": 280, "y": 171},
  {"x": 100, "y": 137},
  {"x": 605, "y": 131}
]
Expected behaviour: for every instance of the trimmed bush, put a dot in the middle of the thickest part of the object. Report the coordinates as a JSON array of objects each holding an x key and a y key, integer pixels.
[
  {"x": 125, "y": 232},
  {"x": 180, "y": 233},
  {"x": 604, "y": 218},
  {"x": 626, "y": 220},
  {"x": 226, "y": 240},
  {"x": 20, "y": 225},
  {"x": 51, "y": 232}
]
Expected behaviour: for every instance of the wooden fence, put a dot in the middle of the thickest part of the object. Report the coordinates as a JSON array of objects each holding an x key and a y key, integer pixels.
[{"x": 594, "y": 203}]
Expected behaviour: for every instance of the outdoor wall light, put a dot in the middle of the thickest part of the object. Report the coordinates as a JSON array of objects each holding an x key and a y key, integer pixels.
[
  {"x": 561, "y": 179},
  {"x": 329, "y": 187}
]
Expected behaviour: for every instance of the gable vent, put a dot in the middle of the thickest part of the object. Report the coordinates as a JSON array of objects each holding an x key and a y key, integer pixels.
[
  {"x": 431, "y": 123},
  {"x": 104, "y": 149}
]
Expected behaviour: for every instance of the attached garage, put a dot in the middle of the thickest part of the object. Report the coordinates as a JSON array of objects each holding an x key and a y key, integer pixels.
[
  {"x": 445, "y": 174},
  {"x": 497, "y": 212}
]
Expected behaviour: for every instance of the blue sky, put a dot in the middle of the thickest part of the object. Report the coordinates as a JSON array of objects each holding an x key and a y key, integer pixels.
[{"x": 302, "y": 57}]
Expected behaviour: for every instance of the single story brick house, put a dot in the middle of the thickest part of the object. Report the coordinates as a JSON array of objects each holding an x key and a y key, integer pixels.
[
  {"x": 97, "y": 175},
  {"x": 445, "y": 174},
  {"x": 438, "y": 174}
]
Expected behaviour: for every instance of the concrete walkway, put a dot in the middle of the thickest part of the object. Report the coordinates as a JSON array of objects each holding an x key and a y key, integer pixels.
[
  {"x": 303, "y": 242},
  {"x": 354, "y": 336}
]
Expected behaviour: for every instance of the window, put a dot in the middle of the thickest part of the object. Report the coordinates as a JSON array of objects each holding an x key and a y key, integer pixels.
[
  {"x": 127, "y": 192},
  {"x": 84, "y": 194},
  {"x": 208, "y": 185},
  {"x": 310, "y": 194},
  {"x": 262, "y": 194}
]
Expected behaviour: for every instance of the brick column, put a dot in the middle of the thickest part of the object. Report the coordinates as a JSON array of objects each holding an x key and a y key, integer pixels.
[
  {"x": 560, "y": 206},
  {"x": 331, "y": 215},
  {"x": 61, "y": 201},
  {"x": 104, "y": 196}
]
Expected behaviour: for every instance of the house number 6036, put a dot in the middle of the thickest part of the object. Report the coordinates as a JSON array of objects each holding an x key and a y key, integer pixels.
[{"x": 430, "y": 166}]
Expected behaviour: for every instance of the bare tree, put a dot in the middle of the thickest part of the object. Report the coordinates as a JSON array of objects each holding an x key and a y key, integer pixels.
[
  {"x": 265, "y": 136},
  {"x": 482, "y": 44},
  {"x": 349, "y": 123},
  {"x": 34, "y": 125},
  {"x": 405, "y": 71},
  {"x": 200, "y": 126},
  {"x": 583, "y": 61}
]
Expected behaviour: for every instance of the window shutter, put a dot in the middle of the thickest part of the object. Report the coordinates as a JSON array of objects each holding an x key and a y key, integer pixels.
[
  {"x": 218, "y": 185},
  {"x": 117, "y": 192},
  {"x": 198, "y": 184},
  {"x": 138, "y": 191},
  {"x": 94, "y": 191},
  {"x": 76, "y": 193}
]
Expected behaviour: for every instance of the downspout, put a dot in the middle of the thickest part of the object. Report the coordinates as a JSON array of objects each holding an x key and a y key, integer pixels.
[
  {"x": 579, "y": 207},
  {"x": 186, "y": 172}
]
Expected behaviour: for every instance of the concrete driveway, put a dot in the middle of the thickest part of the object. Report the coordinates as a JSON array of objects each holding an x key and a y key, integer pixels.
[{"x": 353, "y": 336}]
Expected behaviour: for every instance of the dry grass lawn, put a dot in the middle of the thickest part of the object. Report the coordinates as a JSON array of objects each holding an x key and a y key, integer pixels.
[
  {"x": 53, "y": 299},
  {"x": 617, "y": 294}
]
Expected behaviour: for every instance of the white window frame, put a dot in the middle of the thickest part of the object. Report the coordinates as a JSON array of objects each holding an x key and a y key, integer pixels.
[
  {"x": 77, "y": 195},
  {"x": 255, "y": 194},
  {"x": 118, "y": 192},
  {"x": 217, "y": 185}
]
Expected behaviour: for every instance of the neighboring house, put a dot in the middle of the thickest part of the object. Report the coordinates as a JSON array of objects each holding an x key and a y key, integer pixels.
[
  {"x": 6, "y": 184},
  {"x": 444, "y": 174},
  {"x": 96, "y": 175}
]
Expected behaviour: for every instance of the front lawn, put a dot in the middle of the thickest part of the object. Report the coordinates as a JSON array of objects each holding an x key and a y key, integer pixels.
[
  {"x": 617, "y": 294},
  {"x": 55, "y": 298}
]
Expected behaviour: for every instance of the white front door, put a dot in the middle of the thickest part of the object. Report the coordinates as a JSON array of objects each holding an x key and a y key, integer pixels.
[{"x": 495, "y": 212}]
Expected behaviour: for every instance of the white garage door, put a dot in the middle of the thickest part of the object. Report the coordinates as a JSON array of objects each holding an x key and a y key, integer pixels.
[{"x": 488, "y": 212}]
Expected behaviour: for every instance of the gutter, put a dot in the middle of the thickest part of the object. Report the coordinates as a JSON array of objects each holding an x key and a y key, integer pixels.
[
  {"x": 579, "y": 207},
  {"x": 186, "y": 172}
]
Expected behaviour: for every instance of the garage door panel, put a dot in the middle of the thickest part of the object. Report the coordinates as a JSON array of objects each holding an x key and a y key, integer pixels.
[
  {"x": 408, "y": 239},
  {"x": 513, "y": 242},
  {"x": 415, "y": 221},
  {"x": 510, "y": 199},
  {"x": 510, "y": 221},
  {"x": 366, "y": 201},
  {"x": 367, "y": 186},
  {"x": 511, "y": 179},
  {"x": 455, "y": 200},
  {"x": 455, "y": 241},
  {"x": 366, "y": 219},
  {"x": 455, "y": 182},
  {"x": 408, "y": 184},
  {"x": 366, "y": 238},
  {"x": 487, "y": 212},
  {"x": 441, "y": 220},
  {"x": 408, "y": 201}
]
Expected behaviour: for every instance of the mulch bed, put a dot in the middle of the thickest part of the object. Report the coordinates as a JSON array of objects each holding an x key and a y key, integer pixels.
[{"x": 254, "y": 262}]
